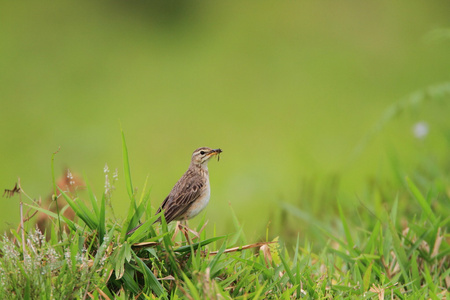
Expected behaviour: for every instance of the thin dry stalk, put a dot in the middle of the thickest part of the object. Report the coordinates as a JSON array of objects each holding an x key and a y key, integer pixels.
[{"x": 235, "y": 249}]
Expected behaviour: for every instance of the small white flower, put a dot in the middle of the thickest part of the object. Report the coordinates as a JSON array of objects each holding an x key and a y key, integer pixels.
[
  {"x": 70, "y": 176},
  {"x": 107, "y": 184},
  {"x": 105, "y": 240},
  {"x": 27, "y": 261},
  {"x": 420, "y": 130},
  {"x": 68, "y": 257},
  {"x": 10, "y": 252}
]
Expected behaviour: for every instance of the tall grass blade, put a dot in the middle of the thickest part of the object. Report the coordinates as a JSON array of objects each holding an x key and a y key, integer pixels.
[
  {"x": 399, "y": 251},
  {"x": 346, "y": 229},
  {"x": 370, "y": 246},
  {"x": 213, "y": 264},
  {"x": 150, "y": 280},
  {"x": 82, "y": 211},
  {"x": 102, "y": 219},
  {"x": 287, "y": 269},
  {"x": 120, "y": 255},
  {"x": 126, "y": 169},
  {"x": 143, "y": 229},
  {"x": 193, "y": 290},
  {"x": 259, "y": 292},
  {"x": 130, "y": 284},
  {"x": 239, "y": 233},
  {"x": 92, "y": 198},
  {"x": 195, "y": 246},
  {"x": 367, "y": 277},
  {"x": 421, "y": 199},
  {"x": 53, "y": 215}
]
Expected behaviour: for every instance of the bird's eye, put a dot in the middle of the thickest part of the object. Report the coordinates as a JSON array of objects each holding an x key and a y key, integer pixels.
[{"x": 202, "y": 152}]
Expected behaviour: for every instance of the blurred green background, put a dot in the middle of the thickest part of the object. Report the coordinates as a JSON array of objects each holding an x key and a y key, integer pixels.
[{"x": 286, "y": 89}]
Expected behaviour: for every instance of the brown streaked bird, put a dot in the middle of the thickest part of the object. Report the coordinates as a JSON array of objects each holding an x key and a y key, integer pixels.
[{"x": 191, "y": 193}]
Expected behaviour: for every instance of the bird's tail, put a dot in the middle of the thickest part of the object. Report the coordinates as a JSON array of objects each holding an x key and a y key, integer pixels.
[{"x": 134, "y": 229}]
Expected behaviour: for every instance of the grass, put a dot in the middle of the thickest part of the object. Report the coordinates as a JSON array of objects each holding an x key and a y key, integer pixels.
[
  {"x": 393, "y": 244},
  {"x": 371, "y": 255}
]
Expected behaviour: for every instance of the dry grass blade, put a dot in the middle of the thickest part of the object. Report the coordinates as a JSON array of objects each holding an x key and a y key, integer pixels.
[
  {"x": 180, "y": 227},
  {"x": 379, "y": 290},
  {"x": 267, "y": 256},
  {"x": 170, "y": 277},
  {"x": 235, "y": 249},
  {"x": 185, "y": 293},
  {"x": 103, "y": 294},
  {"x": 437, "y": 243},
  {"x": 145, "y": 244},
  {"x": 28, "y": 215}
]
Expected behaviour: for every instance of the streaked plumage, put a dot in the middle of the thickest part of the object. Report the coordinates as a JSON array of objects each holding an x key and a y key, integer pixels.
[{"x": 191, "y": 193}]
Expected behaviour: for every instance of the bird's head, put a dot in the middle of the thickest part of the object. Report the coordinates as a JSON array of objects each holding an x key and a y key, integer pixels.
[{"x": 203, "y": 154}]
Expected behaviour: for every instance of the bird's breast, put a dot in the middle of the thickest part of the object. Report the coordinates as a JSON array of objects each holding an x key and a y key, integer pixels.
[{"x": 200, "y": 203}]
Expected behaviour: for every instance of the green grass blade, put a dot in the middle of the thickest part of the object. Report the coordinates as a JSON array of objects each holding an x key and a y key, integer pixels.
[
  {"x": 421, "y": 199},
  {"x": 74, "y": 251},
  {"x": 260, "y": 267},
  {"x": 259, "y": 292},
  {"x": 102, "y": 220},
  {"x": 130, "y": 285},
  {"x": 139, "y": 211},
  {"x": 70, "y": 223},
  {"x": 399, "y": 251},
  {"x": 168, "y": 246},
  {"x": 27, "y": 292},
  {"x": 120, "y": 255},
  {"x": 370, "y": 245},
  {"x": 357, "y": 277},
  {"x": 239, "y": 233},
  {"x": 150, "y": 279},
  {"x": 145, "y": 194},
  {"x": 393, "y": 214},
  {"x": 128, "y": 222},
  {"x": 142, "y": 231},
  {"x": 82, "y": 211},
  {"x": 430, "y": 283},
  {"x": 193, "y": 290},
  {"x": 415, "y": 271},
  {"x": 195, "y": 246},
  {"x": 367, "y": 277},
  {"x": 287, "y": 269},
  {"x": 92, "y": 197},
  {"x": 126, "y": 169},
  {"x": 346, "y": 229},
  {"x": 213, "y": 264}
]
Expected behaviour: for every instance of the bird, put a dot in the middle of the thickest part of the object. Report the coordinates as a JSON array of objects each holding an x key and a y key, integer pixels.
[{"x": 191, "y": 193}]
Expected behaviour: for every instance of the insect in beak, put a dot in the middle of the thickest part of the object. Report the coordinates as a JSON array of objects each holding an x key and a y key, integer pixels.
[{"x": 217, "y": 152}]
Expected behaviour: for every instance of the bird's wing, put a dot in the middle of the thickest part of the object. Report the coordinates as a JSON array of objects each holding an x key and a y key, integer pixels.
[
  {"x": 163, "y": 205},
  {"x": 181, "y": 198}
]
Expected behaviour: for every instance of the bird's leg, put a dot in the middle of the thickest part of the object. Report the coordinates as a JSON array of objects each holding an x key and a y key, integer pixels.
[
  {"x": 184, "y": 228},
  {"x": 177, "y": 229},
  {"x": 181, "y": 227},
  {"x": 197, "y": 234}
]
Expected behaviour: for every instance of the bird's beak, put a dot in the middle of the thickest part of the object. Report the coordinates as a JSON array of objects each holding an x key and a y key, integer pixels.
[{"x": 214, "y": 152}]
